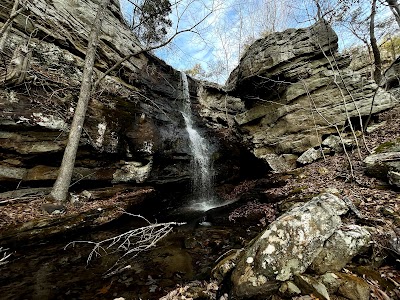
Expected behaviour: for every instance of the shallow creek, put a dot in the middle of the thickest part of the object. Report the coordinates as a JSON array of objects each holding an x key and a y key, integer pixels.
[{"x": 48, "y": 271}]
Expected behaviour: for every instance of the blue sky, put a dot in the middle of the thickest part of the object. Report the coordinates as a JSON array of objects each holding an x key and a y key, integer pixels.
[{"x": 217, "y": 42}]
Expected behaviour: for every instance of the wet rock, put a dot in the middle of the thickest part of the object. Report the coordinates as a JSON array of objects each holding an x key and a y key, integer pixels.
[
  {"x": 310, "y": 285},
  {"x": 340, "y": 248},
  {"x": 287, "y": 247},
  {"x": 132, "y": 172}
]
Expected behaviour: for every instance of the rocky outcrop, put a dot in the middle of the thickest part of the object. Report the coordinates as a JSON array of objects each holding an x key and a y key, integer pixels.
[
  {"x": 309, "y": 237},
  {"x": 288, "y": 246},
  {"x": 134, "y": 131},
  {"x": 298, "y": 89},
  {"x": 385, "y": 163},
  {"x": 390, "y": 78},
  {"x": 132, "y": 120}
]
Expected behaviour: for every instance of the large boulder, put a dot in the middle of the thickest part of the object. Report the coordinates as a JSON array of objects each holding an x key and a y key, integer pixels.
[
  {"x": 297, "y": 89},
  {"x": 340, "y": 248},
  {"x": 385, "y": 162},
  {"x": 287, "y": 247}
]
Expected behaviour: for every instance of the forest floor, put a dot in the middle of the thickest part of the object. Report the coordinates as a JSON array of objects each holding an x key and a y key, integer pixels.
[{"x": 377, "y": 204}]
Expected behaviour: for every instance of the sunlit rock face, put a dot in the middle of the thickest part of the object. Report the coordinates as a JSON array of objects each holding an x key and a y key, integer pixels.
[
  {"x": 297, "y": 88},
  {"x": 287, "y": 247}
]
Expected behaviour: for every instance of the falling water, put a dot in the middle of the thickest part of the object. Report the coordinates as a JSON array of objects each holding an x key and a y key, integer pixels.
[{"x": 201, "y": 163}]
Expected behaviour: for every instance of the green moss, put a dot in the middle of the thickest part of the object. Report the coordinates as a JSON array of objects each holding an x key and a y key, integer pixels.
[
  {"x": 298, "y": 190},
  {"x": 384, "y": 147},
  {"x": 390, "y": 146}
]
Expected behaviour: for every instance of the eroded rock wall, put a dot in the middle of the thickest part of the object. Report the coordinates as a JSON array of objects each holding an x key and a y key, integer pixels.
[
  {"x": 134, "y": 130},
  {"x": 297, "y": 89}
]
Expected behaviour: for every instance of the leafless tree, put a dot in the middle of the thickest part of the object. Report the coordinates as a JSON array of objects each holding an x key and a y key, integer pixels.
[
  {"x": 4, "y": 31},
  {"x": 395, "y": 8},
  {"x": 61, "y": 186},
  {"x": 374, "y": 45}
]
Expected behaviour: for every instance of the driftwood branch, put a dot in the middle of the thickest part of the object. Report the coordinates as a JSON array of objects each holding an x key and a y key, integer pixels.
[
  {"x": 130, "y": 243},
  {"x": 4, "y": 257}
]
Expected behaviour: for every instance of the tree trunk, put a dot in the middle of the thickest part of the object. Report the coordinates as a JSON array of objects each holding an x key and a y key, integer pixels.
[
  {"x": 395, "y": 8},
  {"x": 61, "y": 186},
  {"x": 374, "y": 46},
  {"x": 7, "y": 25}
]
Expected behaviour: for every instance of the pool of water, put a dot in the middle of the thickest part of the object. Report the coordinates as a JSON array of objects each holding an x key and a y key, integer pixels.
[{"x": 48, "y": 271}]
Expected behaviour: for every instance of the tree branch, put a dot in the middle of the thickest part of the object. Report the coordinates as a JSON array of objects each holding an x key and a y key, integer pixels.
[{"x": 169, "y": 40}]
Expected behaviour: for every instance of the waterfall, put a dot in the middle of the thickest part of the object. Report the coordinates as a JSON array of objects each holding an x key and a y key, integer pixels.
[{"x": 201, "y": 163}]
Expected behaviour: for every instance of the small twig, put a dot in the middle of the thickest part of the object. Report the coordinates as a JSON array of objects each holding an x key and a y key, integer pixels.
[
  {"x": 19, "y": 199},
  {"x": 3, "y": 260}
]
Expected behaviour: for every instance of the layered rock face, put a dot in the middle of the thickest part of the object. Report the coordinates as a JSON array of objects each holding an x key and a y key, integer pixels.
[
  {"x": 134, "y": 131},
  {"x": 126, "y": 113},
  {"x": 298, "y": 89}
]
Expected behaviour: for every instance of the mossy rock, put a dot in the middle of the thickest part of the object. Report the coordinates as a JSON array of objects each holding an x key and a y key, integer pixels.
[{"x": 391, "y": 146}]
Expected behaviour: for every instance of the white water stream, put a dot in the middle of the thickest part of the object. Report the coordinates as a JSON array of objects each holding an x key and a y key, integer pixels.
[{"x": 201, "y": 162}]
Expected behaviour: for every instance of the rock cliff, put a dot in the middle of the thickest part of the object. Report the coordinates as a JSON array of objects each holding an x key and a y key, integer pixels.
[
  {"x": 297, "y": 89},
  {"x": 134, "y": 131}
]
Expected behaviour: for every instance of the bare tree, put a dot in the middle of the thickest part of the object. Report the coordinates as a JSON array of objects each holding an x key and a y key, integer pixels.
[
  {"x": 4, "y": 31},
  {"x": 165, "y": 42},
  {"x": 374, "y": 45},
  {"x": 395, "y": 8},
  {"x": 61, "y": 186}
]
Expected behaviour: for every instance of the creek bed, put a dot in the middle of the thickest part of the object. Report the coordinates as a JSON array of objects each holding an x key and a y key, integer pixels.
[{"x": 48, "y": 271}]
